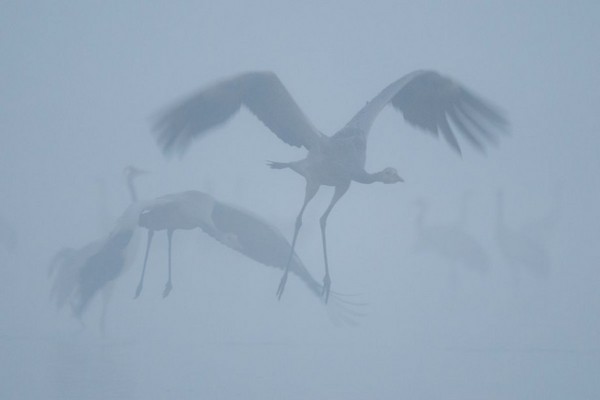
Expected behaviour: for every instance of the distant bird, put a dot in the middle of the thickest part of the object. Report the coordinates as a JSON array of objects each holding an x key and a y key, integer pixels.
[
  {"x": 236, "y": 228},
  {"x": 64, "y": 269},
  {"x": 427, "y": 100},
  {"x": 450, "y": 241},
  {"x": 99, "y": 271},
  {"x": 70, "y": 267},
  {"x": 8, "y": 235},
  {"x": 521, "y": 250}
]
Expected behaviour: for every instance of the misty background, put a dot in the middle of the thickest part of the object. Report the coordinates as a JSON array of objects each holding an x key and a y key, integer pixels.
[{"x": 81, "y": 83}]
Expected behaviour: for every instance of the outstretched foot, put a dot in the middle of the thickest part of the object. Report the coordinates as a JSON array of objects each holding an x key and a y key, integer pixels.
[
  {"x": 167, "y": 290},
  {"x": 326, "y": 287},
  {"x": 138, "y": 291},
  {"x": 281, "y": 286}
]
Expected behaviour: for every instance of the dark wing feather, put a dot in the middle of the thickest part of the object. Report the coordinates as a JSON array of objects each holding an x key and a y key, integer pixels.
[
  {"x": 261, "y": 92},
  {"x": 466, "y": 130},
  {"x": 429, "y": 98},
  {"x": 429, "y": 101}
]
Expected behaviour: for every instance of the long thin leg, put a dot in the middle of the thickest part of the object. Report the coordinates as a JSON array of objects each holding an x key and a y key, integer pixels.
[
  {"x": 310, "y": 192},
  {"x": 169, "y": 286},
  {"x": 141, "y": 284},
  {"x": 339, "y": 192}
]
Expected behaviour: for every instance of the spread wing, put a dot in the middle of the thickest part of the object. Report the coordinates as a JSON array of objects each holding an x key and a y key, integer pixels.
[
  {"x": 261, "y": 92},
  {"x": 435, "y": 103}
]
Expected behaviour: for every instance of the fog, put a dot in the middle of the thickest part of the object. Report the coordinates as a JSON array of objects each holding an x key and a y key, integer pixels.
[{"x": 444, "y": 303}]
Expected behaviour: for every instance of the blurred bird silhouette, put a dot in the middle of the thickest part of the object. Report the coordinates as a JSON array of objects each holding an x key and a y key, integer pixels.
[
  {"x": 76, "y": 279},
  {"x": 450, "y": 241},
  {"x": 234, "y": 227},
  {"x": 524, "y": 248},
  {"x": 114, "y": 256},
  {"x": 427, "y": 100}
]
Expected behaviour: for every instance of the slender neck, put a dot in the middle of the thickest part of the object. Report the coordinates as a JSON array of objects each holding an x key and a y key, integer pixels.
[
  {"x": 367, "y": 178},
  {"x": 131, "y": 187}
]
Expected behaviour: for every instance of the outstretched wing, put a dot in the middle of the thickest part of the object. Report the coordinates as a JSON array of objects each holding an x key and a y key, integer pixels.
[
  {"x": 433, "y": 102},
  {"x": 255, "y": 238},
  {"x": 261, "y": 92}
]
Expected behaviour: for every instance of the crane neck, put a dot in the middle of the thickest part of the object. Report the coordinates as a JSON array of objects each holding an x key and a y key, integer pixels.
[{"x": 368, "y": 178}]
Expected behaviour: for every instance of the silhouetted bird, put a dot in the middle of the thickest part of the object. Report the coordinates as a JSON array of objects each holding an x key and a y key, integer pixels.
[
  {"x": 427, "y": 100},
  {"x": 71, "y": 267},
  {"x": 236, "y": 228}
]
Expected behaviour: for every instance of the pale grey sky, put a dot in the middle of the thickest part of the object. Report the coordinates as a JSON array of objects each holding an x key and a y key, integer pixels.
[{"x": 80, "y": 83}]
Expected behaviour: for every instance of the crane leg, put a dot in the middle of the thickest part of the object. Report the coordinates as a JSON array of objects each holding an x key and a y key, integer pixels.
[
  {"x": 141, "y": 284},
  {"x": 339, "y": 192},
  {"x": 169, "y": 286},
  {"x": 311, "y": 191}
]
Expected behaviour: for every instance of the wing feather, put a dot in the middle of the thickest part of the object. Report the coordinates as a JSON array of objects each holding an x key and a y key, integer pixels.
[
  {"x": 426, "y": 100},
  {"x": 478, "y": 125},
  {"x": 261, "y": 92},
  {"x": 448, "y": 134},
  {"x": 466, "y": 130}
]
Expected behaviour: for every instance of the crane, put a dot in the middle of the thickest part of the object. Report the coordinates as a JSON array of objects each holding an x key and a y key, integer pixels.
[
  {"x": 70, "y": 267},
  {"x": 427, "y": 99},
  {"x": 234, "y": 227}
]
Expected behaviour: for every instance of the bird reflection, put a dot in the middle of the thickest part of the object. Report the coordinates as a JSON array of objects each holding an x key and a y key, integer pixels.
[{"x": 450, "y": 241}]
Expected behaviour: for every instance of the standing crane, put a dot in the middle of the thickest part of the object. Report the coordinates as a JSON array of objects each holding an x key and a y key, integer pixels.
[
  {"x": 73, "y": 282},
  {"x": 100, "y": 269},
  {"x": 427, "y": 100}
]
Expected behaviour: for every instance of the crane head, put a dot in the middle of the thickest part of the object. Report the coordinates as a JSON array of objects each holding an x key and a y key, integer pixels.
[{"x": 390, "y": 175}]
